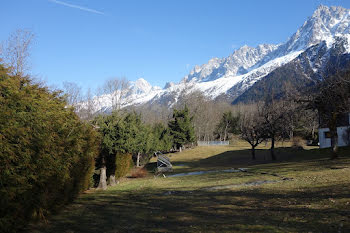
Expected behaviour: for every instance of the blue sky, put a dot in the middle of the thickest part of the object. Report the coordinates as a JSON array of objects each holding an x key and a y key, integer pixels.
[{"x": 89, "y": 41}]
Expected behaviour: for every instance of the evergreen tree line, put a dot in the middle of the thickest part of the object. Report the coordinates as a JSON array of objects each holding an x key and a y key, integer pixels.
[
  {"x": 47, "y": 153},
  {"x": 125, "y": 137}
]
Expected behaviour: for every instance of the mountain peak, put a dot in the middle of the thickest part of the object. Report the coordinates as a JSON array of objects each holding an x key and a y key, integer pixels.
[
  {"x": 323, "y": 25},
  {"x": 141, "y": 80},
  {"x": 324, "y": 36},
  {"x": 323, "y": 10},
  {"x": 141, "y": 86},
  {"x": 321, "y": 7}
]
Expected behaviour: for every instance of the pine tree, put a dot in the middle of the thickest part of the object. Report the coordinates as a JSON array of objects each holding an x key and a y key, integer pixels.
[
  {"x": 163, "y": 141},
  {"x": 229, "y": 124},
  {"x": 181, "y": 128}
]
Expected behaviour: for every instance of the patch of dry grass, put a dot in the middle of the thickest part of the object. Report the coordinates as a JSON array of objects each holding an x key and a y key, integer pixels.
[{"x": 314, "y": 198}]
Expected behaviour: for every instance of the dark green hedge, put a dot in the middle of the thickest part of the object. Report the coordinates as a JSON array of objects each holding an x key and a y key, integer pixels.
[
  {"x": 46, "y": 152},
  {"x": 124, "y": 164}
]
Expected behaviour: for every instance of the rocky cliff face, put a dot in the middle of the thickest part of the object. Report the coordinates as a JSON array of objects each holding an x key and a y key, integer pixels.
[{"x": 304, "y": 58}]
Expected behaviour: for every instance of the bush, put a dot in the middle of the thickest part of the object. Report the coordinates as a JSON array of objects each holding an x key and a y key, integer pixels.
[
  {"x": 139, "y": 173},
  {"x": 46, "y": 152},
  {"x": 298, "y": 142},
  {"x": 123, "y": 164}
]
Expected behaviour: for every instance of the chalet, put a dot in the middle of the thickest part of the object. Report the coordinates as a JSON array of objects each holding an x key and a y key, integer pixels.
[{"x": 343, "y": 131}]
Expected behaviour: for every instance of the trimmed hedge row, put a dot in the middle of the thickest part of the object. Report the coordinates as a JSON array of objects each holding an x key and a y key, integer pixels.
[
  {"x": 124, "y": 164},
  {"x": 46, "y": 152}
]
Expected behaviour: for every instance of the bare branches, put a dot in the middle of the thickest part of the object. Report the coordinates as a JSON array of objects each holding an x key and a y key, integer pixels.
[
  {"x": 277, "y": 120},
  {"x": 15, "y": 51},
  {"x": 228, "y": 124},
  {"x": 116, "y": 89},
  {"x": 252, "y": 127},
  {"x": 332, "y": 101},
  {"x": 73, "y": 93}
]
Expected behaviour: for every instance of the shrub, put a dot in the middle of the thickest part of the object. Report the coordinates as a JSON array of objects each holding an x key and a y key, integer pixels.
[
  {"x": 298, "y": 142},
  {"x": 139, "y": 173},
  {"x": 123, "y": 164},
  {"x": 46, "y": 152}
]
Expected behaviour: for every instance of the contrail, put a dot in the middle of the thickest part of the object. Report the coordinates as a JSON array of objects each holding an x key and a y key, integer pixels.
[{"x": 77, "y": 7}]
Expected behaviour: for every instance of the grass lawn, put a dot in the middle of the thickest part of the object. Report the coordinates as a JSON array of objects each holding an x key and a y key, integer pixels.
[{"x": 307, "y": 193}]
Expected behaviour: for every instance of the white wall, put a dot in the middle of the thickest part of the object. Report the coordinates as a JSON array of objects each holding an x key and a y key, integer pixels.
[{"x": 326, "y": 142}]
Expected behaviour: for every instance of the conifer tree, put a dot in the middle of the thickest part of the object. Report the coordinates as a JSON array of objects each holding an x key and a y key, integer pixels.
[
  {"x": 228, "y": 124},
  {"x": 46, "y": 152},
  {"x": 163, "y": 141},
  {"x": 181, "y": 128}
]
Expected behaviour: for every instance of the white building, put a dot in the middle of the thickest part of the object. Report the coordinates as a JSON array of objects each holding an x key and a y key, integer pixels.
[{"x": 343, "y": 132}]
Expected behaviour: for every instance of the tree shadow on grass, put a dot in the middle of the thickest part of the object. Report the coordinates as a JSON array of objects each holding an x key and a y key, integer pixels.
[
  {"x": 244, "y": 210},
  {"x": 247, "y": 209},
  {"x": 242, "y": 159}
]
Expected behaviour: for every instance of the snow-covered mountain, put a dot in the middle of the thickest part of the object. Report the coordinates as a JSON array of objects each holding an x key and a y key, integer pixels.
[
  {"x": 309, "y": 49},
  {"x": 138, "y": 92},
  {"x": 236, "y": 64}
]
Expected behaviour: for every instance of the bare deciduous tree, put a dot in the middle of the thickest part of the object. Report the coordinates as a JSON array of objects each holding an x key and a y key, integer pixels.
[
  {"x": 332, "y": 100},
  {"x": 15, "y": 51},
  {"x": 205, "y": 111},
  {"x": 252, "y": 128},
  {"x": 116, "y": 89},
  {"x": 152, "y": 113},
  {"x": 228, "y": 125},
  {"x": 86, "y": 107},
  {"x": 277, "y": 120},
  {"x": 73, "y": 93}
]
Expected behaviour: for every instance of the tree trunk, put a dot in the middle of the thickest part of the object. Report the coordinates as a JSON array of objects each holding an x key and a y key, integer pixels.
[
  {"x": 225, "y": 133},
  {"x": 103, "y": 175},
  {"x": 138, "y": 160},
  {"x": 103, "y": 178},
  {"x": 334, "y": 145},
  {"x": 272, "y": 149},
  {"x": 334, "y": 137},
  {"x": 291, "y": 135},
  {"x": 253, "y": 152},
  {"x": 112, "y": 181}
]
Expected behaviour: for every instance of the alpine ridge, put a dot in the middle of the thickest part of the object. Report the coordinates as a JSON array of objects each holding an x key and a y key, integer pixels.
[{"x": 323, "y": 39}]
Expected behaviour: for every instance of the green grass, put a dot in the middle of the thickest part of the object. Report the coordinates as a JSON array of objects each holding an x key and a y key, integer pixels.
[{"x": 316, "y": 198}]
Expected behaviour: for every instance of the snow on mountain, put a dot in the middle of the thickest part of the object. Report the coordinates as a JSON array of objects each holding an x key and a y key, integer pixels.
[
  {"x": 323, "y": 25},
  {"x": 139, "y": 92},
  {"x": 140, "y": 86},
  {"x": 236, "y": 64},
  {"x": 168, "y": 85},
  {"x": 245, "y": 66},
  {"x": 222, "y": 85}
]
